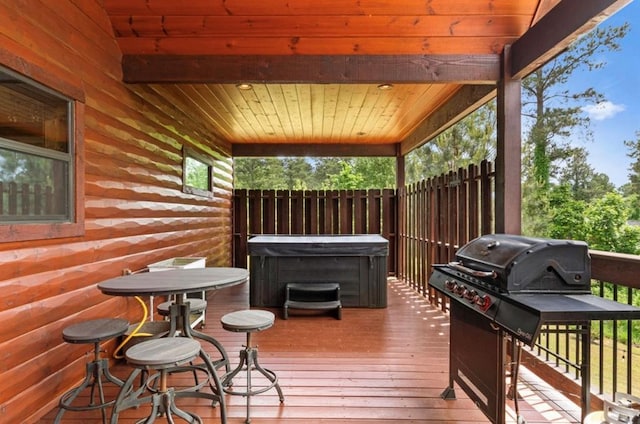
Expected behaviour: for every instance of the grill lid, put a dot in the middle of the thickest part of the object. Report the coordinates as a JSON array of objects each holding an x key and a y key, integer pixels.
[{"x": 513, "y": 263}]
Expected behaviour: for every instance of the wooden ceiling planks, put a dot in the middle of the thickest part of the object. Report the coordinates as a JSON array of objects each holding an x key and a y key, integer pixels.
[
  {"x": 315, "y": 64},
  {"x": 315, "y": 7},
  {"x": 319, "y": 26},
  {"x": 306, "y": 113}
]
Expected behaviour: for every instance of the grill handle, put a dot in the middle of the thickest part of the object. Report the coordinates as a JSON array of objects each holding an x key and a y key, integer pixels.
[{"x": 476, "y": 273}]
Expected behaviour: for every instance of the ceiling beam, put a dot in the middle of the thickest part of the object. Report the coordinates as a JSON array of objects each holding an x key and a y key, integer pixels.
[
  {"x": 465, "y": 101},
  {"x": 557, "y": 30},
  {"x": 468, "y": 69},
  {"x": 315, "y": 150}
]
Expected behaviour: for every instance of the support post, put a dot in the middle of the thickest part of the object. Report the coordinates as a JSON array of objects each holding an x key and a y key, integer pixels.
[{"x": 508, "y": 189}]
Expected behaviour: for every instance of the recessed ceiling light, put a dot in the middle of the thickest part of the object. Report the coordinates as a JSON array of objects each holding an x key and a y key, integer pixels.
[
  {"x": 244, "y": 86},
  {"x": 384, "y": 87}
]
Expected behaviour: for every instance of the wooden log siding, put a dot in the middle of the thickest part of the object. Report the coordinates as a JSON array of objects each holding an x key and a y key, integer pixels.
[
  {"x": 135, "y": 210},
  {"x": 313, "y": 212},
  {"x": 439, "y": 215}
]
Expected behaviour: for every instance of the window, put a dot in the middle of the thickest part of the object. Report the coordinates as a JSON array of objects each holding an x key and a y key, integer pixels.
[
  {"x": 197, "y": 173},
  {"x": 37, "y": 147}
]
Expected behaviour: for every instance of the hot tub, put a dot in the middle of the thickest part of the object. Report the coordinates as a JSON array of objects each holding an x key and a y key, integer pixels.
[{"x": 357, "y": 262}]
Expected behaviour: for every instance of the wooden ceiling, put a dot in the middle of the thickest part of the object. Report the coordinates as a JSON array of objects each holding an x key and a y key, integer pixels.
[{"x": 315, "y": 66}]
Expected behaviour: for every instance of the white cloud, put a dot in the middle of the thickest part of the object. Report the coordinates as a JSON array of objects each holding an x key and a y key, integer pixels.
[{"x": 603, "y": 110}]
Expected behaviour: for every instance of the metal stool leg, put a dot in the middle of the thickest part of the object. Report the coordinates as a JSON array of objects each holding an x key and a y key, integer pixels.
[
  {"x": 249, "y": 362},
  {"x": 95, "y": 370}
]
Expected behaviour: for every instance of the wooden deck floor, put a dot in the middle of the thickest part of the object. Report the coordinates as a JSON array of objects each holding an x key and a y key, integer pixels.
[{"x": 375, "y": 366}]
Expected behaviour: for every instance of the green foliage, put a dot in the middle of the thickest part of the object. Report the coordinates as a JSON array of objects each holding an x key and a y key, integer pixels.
[
  {"x": 347, "y": 179},
  {"x": 535, "y": 209},
  {"x": 259, "y": 173},
  {"x": 24, "y": 168},
  {"x": 315, "y": 174},
  {"x": 553, "y": 114},
  {"x": 470, "y": 141},
  {"x": 633, "y": 147},
  {"x": 295, "y": 172},
  {"x": 602, "y": 223},
  {"x": 604, "y": 219},
  {"x": 584, "y": 183},
  {"x": 377, "y": 172},
  {"x": 607, "y": 227},
  {"x": 623, "y": 295},
  {"x": 197, "y": 174},
  {"x": 567, "y": 215}
]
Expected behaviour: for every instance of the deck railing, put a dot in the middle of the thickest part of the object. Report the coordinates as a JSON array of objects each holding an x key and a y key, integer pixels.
[
  {"x": 437, "y": 216},
  {"x": 441, "y": 214},
  {"x": 425, "y": 224}
]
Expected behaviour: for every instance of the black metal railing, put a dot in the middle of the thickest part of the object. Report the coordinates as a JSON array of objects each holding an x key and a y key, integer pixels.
[{"x": 615, "y": 346}]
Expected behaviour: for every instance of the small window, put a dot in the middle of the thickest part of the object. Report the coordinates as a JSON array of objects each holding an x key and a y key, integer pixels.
[
  {"x": 36, "y": 153},
  {"x": 197, "y": 173}
]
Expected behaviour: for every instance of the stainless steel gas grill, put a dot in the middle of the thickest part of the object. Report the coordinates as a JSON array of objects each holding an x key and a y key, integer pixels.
[{"x": 507, "y": 287}]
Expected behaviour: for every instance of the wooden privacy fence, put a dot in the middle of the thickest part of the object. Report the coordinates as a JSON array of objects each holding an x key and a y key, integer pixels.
[
  {"x": 424, "y": 222},
  {"x": 313, "y": 212},
  {"x": 24, "y": 200},
  {"x": 439, "y": 215}
]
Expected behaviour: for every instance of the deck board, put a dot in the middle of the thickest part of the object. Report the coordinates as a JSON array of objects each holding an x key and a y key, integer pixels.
[{"x": 375, "y": 366}]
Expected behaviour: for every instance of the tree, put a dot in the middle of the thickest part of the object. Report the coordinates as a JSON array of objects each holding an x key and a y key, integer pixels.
[
  {"x": 554, "y": 110},
  {"x": 555, "y": 113},
  {"x": 470, "y": 141},
  {"x": 634, "y": 168},
  {"x": 323, "y": 168},
  {"x": 296, "y": 172},
  {"x": 568, "y": 215},
  {"x": 259, "y": 173},
  {"x": 377, "y": 172},
  {"x": 607, "y": 229},
  {"x": 347, "y": 179},
  {"x": 584, "y": 182}
]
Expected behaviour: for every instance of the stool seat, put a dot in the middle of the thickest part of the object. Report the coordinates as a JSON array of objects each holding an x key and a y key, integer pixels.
[
  {"x": 247, "y": 321},
  {"x": 167, "y": 351},
  {"x": 197, "y": 310},
  {"x": 195, "y": 305},
  {"x": 97, "y": 371},
  {"x": 164, "y": 355},
  {"x": 95, "y": 330}
]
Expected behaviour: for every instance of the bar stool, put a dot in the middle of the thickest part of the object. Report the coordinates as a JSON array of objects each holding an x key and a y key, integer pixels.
[
  {"x": 161, "y": 355},
  {"x": 249, "y": 321},
  {"x": 196, "y": 306},
  {"x": 93, "y": 331}
]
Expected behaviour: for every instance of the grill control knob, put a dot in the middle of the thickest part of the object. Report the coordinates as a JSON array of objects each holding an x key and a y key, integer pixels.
[
  {"x": 471, "y": 295},
  {"x": 450, "y": 285},
  {"x": 460, "y": 290},
  {"x": 483, "y": 302}
]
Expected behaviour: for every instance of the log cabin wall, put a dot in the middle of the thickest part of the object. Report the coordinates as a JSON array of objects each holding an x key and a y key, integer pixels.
[{"x": 135, "y": 212}]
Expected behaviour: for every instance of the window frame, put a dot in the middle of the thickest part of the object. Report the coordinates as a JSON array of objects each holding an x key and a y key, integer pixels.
[
  {"x": 188, "y": 152},
  {"x": 15, "y": 231}
]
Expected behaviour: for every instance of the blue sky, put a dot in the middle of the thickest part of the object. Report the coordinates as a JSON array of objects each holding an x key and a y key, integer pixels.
[{"x": 617, "y": 119}]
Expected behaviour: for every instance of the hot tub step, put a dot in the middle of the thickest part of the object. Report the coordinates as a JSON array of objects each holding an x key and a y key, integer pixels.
[{"x": 321, "y": 296}]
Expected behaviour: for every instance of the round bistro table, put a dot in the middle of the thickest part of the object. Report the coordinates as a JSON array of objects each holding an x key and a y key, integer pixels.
[{"x": 178, "y": 282}]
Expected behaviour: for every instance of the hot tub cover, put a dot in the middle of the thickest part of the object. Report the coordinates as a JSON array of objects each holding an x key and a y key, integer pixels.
[{"x": 319, "y": 245}]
